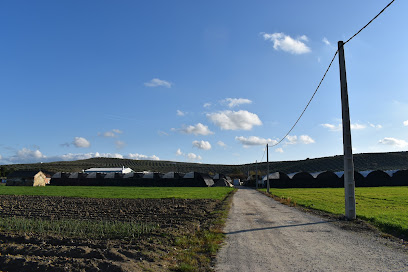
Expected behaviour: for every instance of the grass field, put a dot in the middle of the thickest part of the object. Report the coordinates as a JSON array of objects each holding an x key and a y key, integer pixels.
[
  {"x": 385, "y": 207},
  {"x": 120, "y": 192}
]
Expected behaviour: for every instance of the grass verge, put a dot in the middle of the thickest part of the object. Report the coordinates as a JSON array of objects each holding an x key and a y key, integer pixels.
[
  {"x": 196, "y": 251},
  {"x": 384, "y": 207},
  {"x": 120, "y": 192}
]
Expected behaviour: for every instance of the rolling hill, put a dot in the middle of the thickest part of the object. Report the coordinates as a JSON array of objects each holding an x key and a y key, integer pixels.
[{"x": 365, "y": 161}]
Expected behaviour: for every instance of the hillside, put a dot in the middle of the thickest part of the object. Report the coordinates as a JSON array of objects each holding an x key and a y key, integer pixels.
[{"x": 366, "y": 161}]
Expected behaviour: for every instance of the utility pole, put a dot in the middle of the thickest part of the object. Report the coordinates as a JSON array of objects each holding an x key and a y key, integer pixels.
[
  {"x": 267, "y": 168},
  {"x": 256, "y": 174},
  {"x": 349, "y": 184}
]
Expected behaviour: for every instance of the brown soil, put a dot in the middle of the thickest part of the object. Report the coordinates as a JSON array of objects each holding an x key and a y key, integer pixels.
[{"x": 151, "y": 252}]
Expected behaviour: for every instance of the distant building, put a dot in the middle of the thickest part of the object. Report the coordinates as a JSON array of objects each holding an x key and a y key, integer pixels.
[
  {"x": 122, "y": 170},
  {"x": 26, "y": 178}
]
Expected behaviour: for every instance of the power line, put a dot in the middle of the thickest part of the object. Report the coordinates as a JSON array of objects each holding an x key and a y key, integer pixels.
[
  {"x": 318, "y": 86},
  {"x": 358, "y": 32}
]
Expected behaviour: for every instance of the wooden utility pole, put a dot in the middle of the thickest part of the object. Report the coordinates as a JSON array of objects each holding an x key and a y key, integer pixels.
[
  {"x": 349, "y": 184},
  {"x": 267, "y": 168},
  {"x": 256, "y": 174}
]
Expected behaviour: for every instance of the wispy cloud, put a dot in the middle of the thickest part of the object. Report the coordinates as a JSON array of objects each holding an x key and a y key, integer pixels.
[
  {"x": 198, "y": 129},
  {"x": 205, "y": 145},
  {"x": 332, "y": 127},
  {"x": 110, "y": 134},
  {"x": 233, "y": 102},
  {"x": 405, "y": 123},
  {"x": 326, "y": 41},
  {"x": 26, "y": 155},
  {"x": 254, "y": 140},
  {"x": 221, "y": 143},
  {"x": 378, "y": 126},
  {"x": 286, "y": 43},
  {"x": 355, "y": 126},
  {"x": 162, "y": 133},
  {"x": 180, "y": 113},
  {"x": 234, "y": 120},
  {"x": 279, "y": 150},
  {"x": 207, "y": 105},
  {"x": 120, "y": 144},
  {"x": 394, "y": 142},
  {"x": 156, "y": 82}
]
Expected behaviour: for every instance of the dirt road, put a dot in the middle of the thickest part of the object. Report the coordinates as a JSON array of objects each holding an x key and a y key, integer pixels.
[{"x": 264, "y": 235}]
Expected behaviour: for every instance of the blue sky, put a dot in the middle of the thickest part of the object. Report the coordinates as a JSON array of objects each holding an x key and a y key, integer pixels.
[{"x": 198, "y": 81}]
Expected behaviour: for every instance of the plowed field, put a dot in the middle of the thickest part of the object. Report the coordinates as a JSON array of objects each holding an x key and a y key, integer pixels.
[{"x": 53, "y": 252}]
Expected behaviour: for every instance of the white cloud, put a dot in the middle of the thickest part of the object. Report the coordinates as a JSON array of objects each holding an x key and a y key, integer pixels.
[
  {"x": 198, "y": 129},
  {"x": 26, "y": 155},
  {"x": 193, "y": 157},
  {"x": 120, "y": 144},
  {"x": 332, "y": 127},
  {"x": 254, "y": 140},
  {"x": 305, "y": 139},
  {"x": 32, "y": 156},
  {"x": 108, "y": 134},
  {"x": 205, "y": 145},
  {"x": 302, "y": 139},
  {"x": 288, "y": 44},
  {"x": 180, "y": 113},
  {"x": 233, "y": 102},
  {"x": 83, "y": 156},
  {"x": 111, "y": 134},
  {"x": 326, "y": 41},
  {"x": 376, "y": 126},
  {"x": 221, "y": 143},
  {"x": 394, "y": 142},
  {"x": 279, "y": 150},
  {"x": 155, "y": 82},
  {"x": 207, "y": 105},
  {"x": 291, "y": 139},
  {"x": 81, "y": 142},
  {"x": 136, "y": 156},
  {"x": 179, "y": 153},
  {"x": 405, "y": 123},
  {"x": 1, "y": 157},
  {"x": 356, "y": 126},
  {"x": 162, "y": 133},
  {"x": 235, "y": 120}
]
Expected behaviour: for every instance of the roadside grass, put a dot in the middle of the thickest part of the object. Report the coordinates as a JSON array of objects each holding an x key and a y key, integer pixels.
[
  {"x": 77, "y": 228},
  {"x": 120, "y": 192},
  {"x": 384, "y": 207},
  {"x": 195, "y": 251}
]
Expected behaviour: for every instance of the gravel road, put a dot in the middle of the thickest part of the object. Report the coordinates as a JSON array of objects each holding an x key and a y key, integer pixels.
[{"x": 264, "y": 235}]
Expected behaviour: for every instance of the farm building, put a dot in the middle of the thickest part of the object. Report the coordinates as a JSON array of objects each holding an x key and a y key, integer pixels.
[
  {"x": 194, "y": 179},
  {"x": 221, "y": 180},
  {"x": 26, "y": 178},
  {"x": 122, "y": 170}
]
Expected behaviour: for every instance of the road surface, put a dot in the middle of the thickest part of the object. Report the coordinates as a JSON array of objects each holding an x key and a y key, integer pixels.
[{"x": 264, "y": 235}]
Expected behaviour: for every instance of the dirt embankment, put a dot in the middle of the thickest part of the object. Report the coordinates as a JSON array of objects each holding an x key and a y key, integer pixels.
[{"x": 155, "y": 251}]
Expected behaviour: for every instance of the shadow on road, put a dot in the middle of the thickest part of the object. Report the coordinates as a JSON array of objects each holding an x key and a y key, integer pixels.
[{"x": 278, "y": 227}]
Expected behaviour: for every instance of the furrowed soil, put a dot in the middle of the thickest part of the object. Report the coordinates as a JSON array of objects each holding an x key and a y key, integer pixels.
[{"x": 55, "y": 252}]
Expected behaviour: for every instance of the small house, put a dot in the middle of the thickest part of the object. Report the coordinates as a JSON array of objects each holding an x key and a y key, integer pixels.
[{"x": 26, "y": 178}]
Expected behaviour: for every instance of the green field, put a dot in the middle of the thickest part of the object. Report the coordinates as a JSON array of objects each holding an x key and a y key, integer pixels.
[
  {"x": 385, "y": 207},
  {"x": 120, "y": 192}
]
